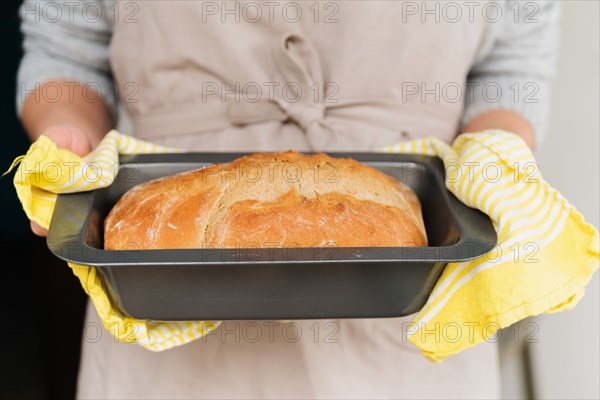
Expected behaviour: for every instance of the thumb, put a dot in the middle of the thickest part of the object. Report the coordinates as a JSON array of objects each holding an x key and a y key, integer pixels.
[{"x": 69, "y": 137}]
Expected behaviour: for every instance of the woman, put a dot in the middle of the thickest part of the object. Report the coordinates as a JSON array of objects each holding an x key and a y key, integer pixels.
[{"x": 251, "y": 76}]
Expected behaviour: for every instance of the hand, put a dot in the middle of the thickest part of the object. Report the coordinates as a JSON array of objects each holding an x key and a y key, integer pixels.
[
  {"x": 71, "y": 138},
  {"x": 503, "y": 119}
]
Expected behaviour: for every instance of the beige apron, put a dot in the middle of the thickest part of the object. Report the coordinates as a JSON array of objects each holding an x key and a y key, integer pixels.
[{"x": 211, "y": 76}]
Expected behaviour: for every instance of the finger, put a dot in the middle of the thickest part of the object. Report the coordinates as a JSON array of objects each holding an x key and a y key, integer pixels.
[
  {"x": 69, "y": 137},
  {"x": 38, "y": 230}
]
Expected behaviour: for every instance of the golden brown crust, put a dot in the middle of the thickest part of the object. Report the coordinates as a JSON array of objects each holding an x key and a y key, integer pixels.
[{"x": 269, "y": 200}]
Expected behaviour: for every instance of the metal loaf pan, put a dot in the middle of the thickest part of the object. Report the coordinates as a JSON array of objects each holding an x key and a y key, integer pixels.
[{"x": 275, "y": 283}]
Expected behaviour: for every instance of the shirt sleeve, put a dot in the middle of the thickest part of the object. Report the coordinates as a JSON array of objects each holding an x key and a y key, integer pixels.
[
  {"x": 514, "y": 73},
  {"x": 66, "y": 40}
]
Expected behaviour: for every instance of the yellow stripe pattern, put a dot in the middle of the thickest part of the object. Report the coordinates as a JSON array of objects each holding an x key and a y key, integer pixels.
[
  {"x": 546, "y": 252},
  {"x": 47, "y": 170}
]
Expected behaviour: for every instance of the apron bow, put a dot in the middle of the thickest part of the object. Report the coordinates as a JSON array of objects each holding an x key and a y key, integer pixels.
[{"x": 297, "y": 97}]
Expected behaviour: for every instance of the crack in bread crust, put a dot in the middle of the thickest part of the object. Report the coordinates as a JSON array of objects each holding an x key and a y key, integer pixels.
[{"x": 206, "y": 239}]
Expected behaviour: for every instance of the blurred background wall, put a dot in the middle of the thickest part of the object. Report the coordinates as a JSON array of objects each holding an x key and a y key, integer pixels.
[
  {"x": 563, "y": 362},
  {"x": 566, "y": 360}
]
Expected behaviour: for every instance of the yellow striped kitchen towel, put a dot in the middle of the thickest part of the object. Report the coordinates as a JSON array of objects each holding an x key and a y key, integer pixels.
[
  {"x": 545, "y": 256},
  {"x": 47, "y": 170},
  {"x": 546, "y": 252}
]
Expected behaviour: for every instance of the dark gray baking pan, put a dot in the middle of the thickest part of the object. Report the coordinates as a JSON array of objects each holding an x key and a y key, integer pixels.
[{"x": 278, "y": 284}]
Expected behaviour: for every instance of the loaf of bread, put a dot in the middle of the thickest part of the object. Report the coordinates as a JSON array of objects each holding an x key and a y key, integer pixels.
[{"x": 269, "y": 200}]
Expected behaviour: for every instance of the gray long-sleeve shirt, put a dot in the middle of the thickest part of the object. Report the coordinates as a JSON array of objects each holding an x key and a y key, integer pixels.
[{"x": 70, "y": 40}]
